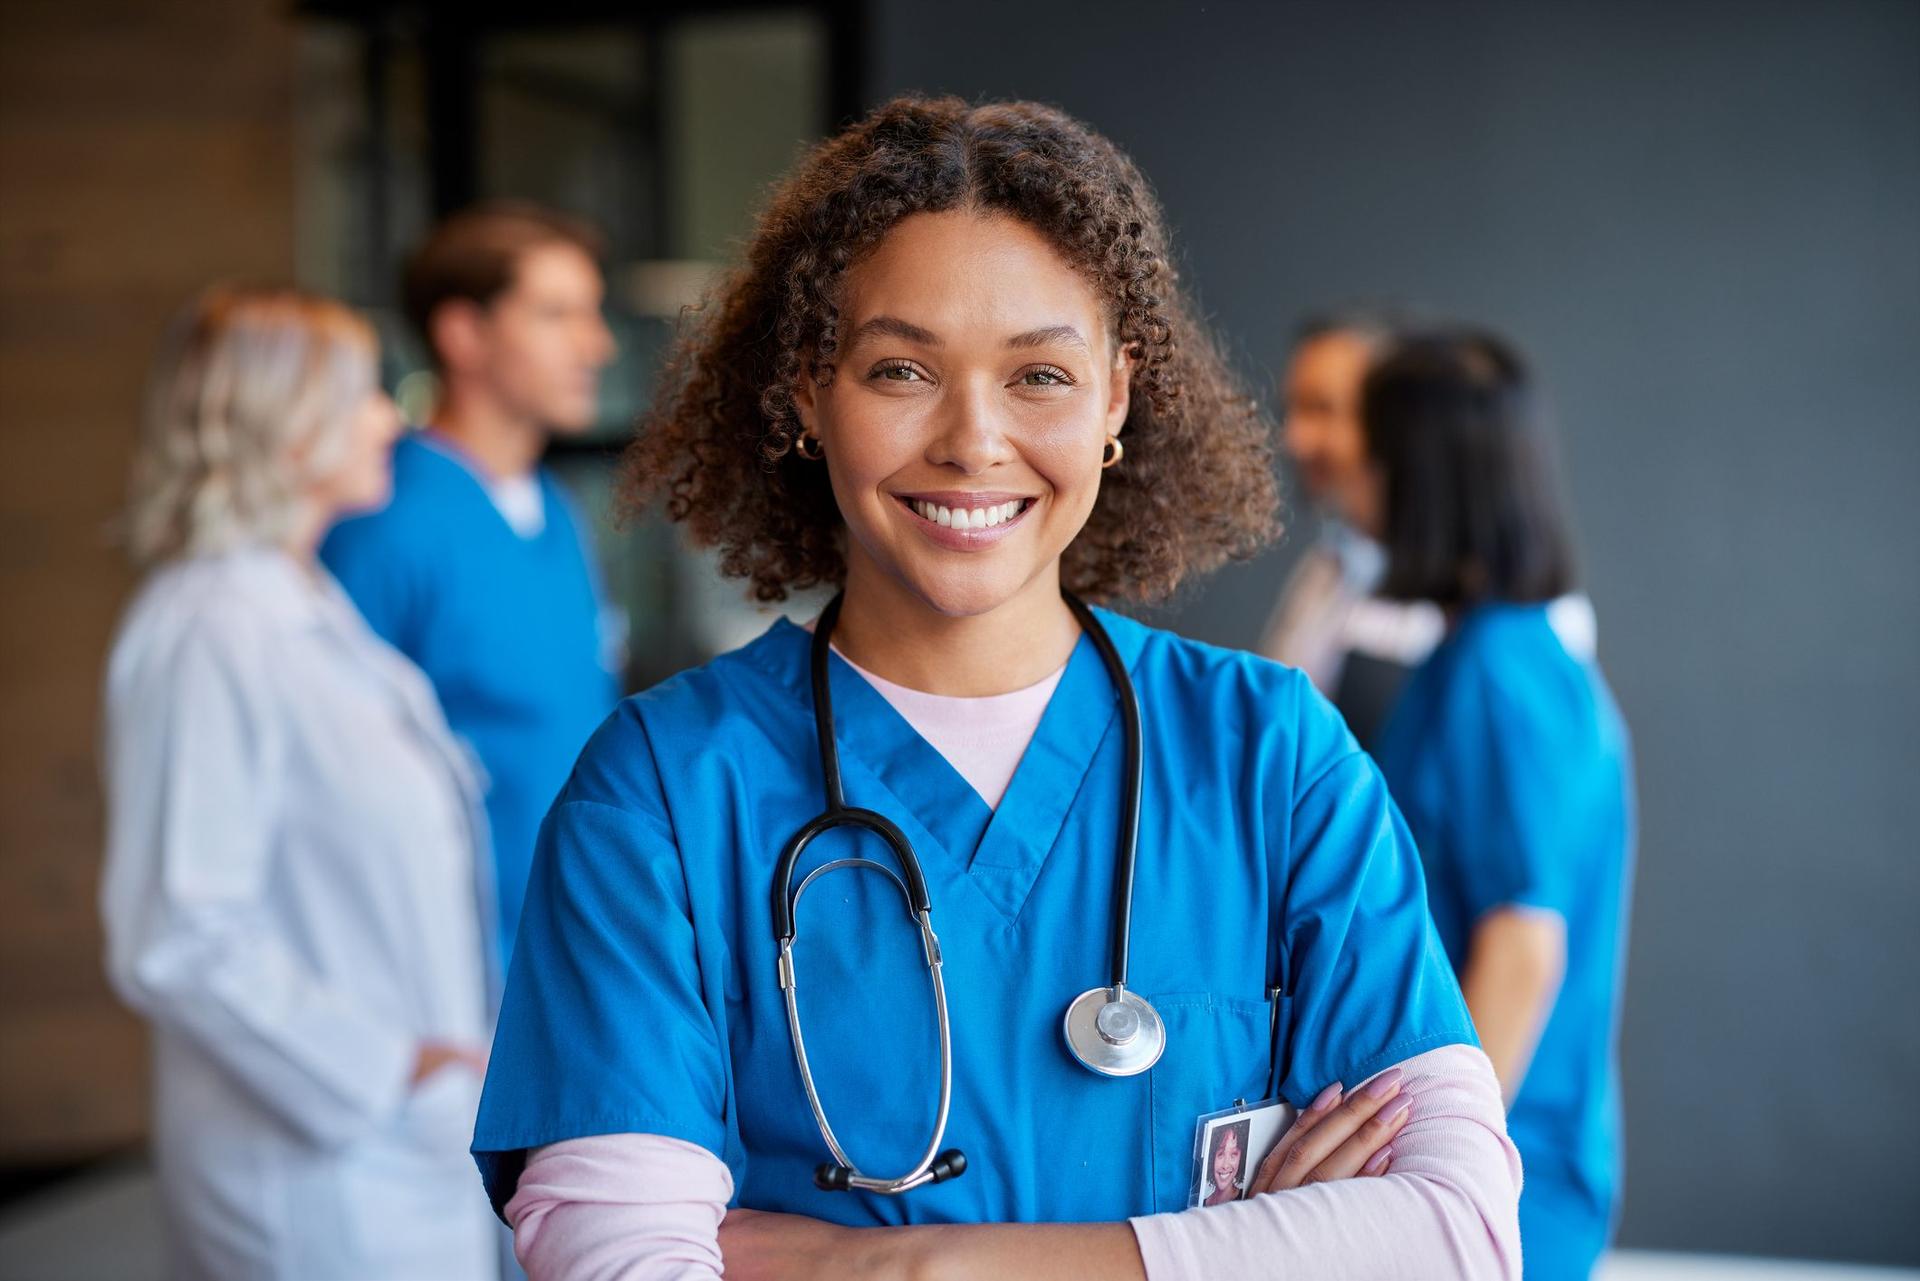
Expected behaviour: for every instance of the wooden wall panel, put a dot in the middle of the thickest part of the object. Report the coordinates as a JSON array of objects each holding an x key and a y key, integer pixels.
[{"x": 145, "y": 149}]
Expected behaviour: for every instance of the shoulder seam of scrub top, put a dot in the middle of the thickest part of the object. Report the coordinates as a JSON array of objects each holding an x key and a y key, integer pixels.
[
  {"x": 1326, "y": 771},
  {"x": 582, "y": 802},
  {"x": 1462, "y": 1034},
  {"x": 1494, "y": 702},
  {"x": 700, "y": 962},
  {"x": 1300, "y": 797}
]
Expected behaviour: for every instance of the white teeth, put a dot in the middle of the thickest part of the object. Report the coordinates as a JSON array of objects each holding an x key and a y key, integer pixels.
[{"x": 968, "y": 517}]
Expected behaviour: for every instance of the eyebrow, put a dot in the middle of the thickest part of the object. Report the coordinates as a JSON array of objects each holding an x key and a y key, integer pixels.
[
  {"x": 1050, "y": 334},
  {"x": 894, "y": 327}
]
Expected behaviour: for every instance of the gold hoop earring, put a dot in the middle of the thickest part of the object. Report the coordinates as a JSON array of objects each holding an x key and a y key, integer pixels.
[
  {"x": 812, "y": 455},
  {"x": 1113, "y": 453}
]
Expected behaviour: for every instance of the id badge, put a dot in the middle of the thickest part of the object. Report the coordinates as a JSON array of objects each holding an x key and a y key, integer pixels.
[{"x": 1229, "y": 1146}]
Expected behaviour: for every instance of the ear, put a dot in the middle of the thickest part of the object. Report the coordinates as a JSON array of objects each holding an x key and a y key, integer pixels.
[
  {"x": 1120, "y": 392},
  {"x": 457, "y": 334},
  {"x": 806, "y": 402}
]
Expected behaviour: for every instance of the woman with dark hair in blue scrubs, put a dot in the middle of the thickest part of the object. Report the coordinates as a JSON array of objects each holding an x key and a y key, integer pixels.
[
  {"x": 956, "y": 377},
  {"x": 1511, "y": 763}
]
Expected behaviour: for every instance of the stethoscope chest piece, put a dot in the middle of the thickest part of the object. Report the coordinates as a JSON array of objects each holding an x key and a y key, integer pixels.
[{"x": 1113, "y": 1032}]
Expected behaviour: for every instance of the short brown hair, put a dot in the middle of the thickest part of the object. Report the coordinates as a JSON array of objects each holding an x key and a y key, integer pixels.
[
  {"x": 473, "y": 256},
  {"x": 1196, "y": 486}
]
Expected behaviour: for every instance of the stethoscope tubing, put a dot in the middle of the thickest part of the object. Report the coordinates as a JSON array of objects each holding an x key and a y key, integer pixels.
[
  {"x": 1129, "y": 839},
  {"x": 911, "y": 881}
]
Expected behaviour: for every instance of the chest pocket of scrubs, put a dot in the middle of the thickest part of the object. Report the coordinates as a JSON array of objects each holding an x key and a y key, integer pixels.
[{"x": 1218, "y": 1051}]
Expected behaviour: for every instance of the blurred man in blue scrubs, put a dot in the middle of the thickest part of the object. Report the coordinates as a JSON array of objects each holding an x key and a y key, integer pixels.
[{"x": 479, "y": 571}]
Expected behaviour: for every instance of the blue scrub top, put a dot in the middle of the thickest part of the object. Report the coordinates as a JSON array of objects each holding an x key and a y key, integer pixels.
[
  {"x": 644, "y": 995},
  {"x": 508, "y": 629},
  {"x": 1512, "y": 765}
]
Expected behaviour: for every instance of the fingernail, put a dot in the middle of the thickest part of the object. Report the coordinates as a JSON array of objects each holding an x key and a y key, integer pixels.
[
  {"x": 1390, "y": 1113},
  {"x": 1378, "y": 1162},
  {"x": 1383, "y": 1085},
  {"x": 1324, "y": 1100}
]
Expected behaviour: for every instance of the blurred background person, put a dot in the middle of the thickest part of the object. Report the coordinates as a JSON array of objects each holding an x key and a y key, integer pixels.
[
  {"x": 294, "y": 891},
  {"x": 478, "y": 570},
  {"x": 1510, "y": 761},
  {"x": 1354, "y": 644},
  {"x": 1354, "y": 647}
]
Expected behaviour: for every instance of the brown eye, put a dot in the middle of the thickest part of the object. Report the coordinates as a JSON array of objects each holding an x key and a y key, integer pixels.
[{"x": 897, "y": 373}]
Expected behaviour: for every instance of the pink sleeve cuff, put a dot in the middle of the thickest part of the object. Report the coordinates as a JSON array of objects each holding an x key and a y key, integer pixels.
[{"x": 636, "y": 1207}]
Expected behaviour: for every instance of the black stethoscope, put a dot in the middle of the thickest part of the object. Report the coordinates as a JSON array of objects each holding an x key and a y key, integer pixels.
[{"x": 1108, "y": 1029}]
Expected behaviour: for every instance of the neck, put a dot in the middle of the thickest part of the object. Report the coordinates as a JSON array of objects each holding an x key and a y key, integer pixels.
[
  {"x": 302, "y": 539},
  {"x": 891, "y": 631},
  {"x": 503, "y": 443}
]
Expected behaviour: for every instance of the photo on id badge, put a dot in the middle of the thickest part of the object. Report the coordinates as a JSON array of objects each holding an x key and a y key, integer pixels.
[{"x": 1229, "y": 1146}]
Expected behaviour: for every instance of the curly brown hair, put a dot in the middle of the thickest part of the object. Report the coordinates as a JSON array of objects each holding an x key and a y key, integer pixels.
[{"x": 1196, "y": 487}]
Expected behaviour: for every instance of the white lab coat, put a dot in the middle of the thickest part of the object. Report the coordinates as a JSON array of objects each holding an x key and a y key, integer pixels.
[{"x": 296, "y": 894}]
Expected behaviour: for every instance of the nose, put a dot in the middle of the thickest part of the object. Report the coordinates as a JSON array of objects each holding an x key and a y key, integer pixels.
[
  {"x": 971, "y": 436},
  {"x": 392, "y": 421},
  {"x": 599, "y": 339},
  {"x": 1295, "y": 436}
]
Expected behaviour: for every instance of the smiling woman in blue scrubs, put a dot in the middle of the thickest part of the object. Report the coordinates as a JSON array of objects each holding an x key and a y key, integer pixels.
[
  {"x": 956, "y": 376},
  {"x": 1511, "y": 763}
]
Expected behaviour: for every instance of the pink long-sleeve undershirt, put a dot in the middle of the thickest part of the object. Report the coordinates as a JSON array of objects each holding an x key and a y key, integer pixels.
[{"x": 642, "y": 1207}]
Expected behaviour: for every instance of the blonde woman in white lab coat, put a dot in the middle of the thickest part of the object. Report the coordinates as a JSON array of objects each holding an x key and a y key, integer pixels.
[{"x": 295, "y": 871}]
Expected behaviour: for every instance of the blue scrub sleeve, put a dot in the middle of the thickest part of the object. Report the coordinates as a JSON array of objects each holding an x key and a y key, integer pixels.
[
  {"x": 603, "y": 1029},
  {"x": 1510, "y": 785},
  {"x": 1367, "y": 980},
  {"x": 370, "y": 559}
]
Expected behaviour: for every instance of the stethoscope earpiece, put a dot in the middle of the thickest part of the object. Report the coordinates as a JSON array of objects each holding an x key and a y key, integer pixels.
[{"x": 950, "y": 1164}]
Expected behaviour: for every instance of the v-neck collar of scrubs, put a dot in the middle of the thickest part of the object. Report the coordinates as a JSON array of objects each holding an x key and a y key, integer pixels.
[
  {"x": 454, "y": 453},
  {"x": 999, "y": 852}
]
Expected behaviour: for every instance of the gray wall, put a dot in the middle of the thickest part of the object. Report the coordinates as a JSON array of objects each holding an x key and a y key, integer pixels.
[{"x": 1704, "y": 223}]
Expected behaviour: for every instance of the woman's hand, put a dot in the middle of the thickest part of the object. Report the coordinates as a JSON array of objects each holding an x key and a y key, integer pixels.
[
  {"x": 1338, "y": 1137},
  {"x": 431, "y": 1056}
]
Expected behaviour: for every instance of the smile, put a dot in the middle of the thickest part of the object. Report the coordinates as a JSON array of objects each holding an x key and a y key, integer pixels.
[{"x": 965, "y": 520}]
